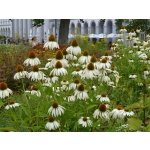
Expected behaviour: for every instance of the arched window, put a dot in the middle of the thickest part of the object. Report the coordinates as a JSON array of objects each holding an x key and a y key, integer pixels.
[
  {"x": 101, "y": 27},
  {"x": 79, "y": 28},
  {"x": 72, "y": 28},
  {"x": 85, "y": 28},
  {"x": 93, "y": 28},
  {"x": 109, "y": 27}
]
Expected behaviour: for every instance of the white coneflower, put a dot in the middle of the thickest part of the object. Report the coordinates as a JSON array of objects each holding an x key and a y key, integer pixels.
[
  {"x": 90, "y": 72},
  {"x": 103, "y": 78},
  {"x": 32, "y": 60},
  {"x": 119, "y": 40},
  {"x": 43, "y": 68},
  {"x": 128, "y": 38},
  {"x": 145, "y": 42},
  {"x": 56, "y": 110},
  {"x": 135, "y": 45},
  {"x": 132, "y": 76},
  {"x": 51, "y": 44},
  {"x": 130, "y": 60},
  {"x": 103, "y": 98},
  {"x": 104, "y": 64},
  {"x": 58, "y": 57},
  {"x": 128, "y": 113},
  {"x": 120, "y": 35},
  {"x": 85, "y": 122},
  {"x": 51, "y": 78},
  {"x": 111, "y": 84},
  {"x": 74, "y": 85},
  {"x": 59, "y": 70},
  {"x": 85, "y": 58},
  {"x": 35, "y": 91},
  {"x": 75, "y": 64},
  {"x": 20, "y": 73},
  {"x": 117, "y": 113},
  {"x": 138, "y": 30},
  {"x": 140, "y": 84},
  {"x": 93, "y": 88},
  {"x": 132, "y": 33},
  {"x": 64, "y": 82},
  {"x": 80, "y": 93},
  {"x": 74, "y": 49},
  {"x": 35, "y": 74},
  {"x": 12, "y": 104},
  {"x": 4, "y": 90},
  {"x": 94, "y": 61},
  {"x": 70, "y": 98},
  {"x": 123, "y": 30},
  {"x": 52, "y": 124},
  {"x": 143, "y": 56},
  {"x": 78, "y": 71},
  {"x": 101, "y": 112}
]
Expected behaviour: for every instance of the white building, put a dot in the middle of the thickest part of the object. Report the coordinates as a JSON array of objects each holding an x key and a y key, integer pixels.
[{"x": 23, "y": 27}]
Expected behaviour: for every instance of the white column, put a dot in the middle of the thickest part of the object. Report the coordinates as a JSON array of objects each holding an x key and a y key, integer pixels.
[
  {"x": 20, "y": 28},
  {"x": 24, "y": 28},
  {"x": 29, "y": 27}
]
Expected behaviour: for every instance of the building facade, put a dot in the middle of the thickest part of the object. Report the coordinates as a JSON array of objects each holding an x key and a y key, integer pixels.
[{"x": 24, "y": 29}]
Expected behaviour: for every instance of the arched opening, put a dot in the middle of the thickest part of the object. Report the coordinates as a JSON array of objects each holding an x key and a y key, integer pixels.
[
  {"x": 79, "y": 28},
  {"x": 101, "y": 27},
  {"x": 109, "y": 27},
  {"x": 93, "y": 28},
  {"x": 72, "y": 28},
  {"x": 85, "y": 28}
]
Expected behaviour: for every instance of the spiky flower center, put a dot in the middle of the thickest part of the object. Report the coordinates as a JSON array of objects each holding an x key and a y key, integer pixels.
[
  {"x": 59, "y": 55},
  {"x": 64, "y": 51},
  {"x": 76, "y": 81},
  {"x": 32, "y": 55},
  {"x": 3, "y": 86},
  {"x": 33, "y": 88},
  {"x": 85, "y": 53},
  {"x": 74, "y": 43},
  {"x": 77, "y": 69},
  {"x": 112, "y": 68},
  {"x": 106, "y": 53},
  {"x": 51, "y": 119},
  {"x": 51, "y": 38},
  {"x": 58, "y": 64},
  {"x": 90, "y": 66},
  {"x": 84, "y": 118},
  {"x": 104, "y": 60},
  {"x": 19, "y": 68},
  {"x": 35, "y": 68},
  {"x": 123, "y": 27},
  {"x": 119, "y": 107},
  {"x": 128, "y": 37},
  {"x": 132, "y": 30},
  {"x": 55, "y": 104},
  {"x": 102, "y": 107},
  {"x": 81, "y": 87},
  {"x": 134, "y": 44},
  {"x": 139, "y": 27},
  {"x": 11, "y": 102},
  {"x": 145, "y": 69},
  {"x": 103, "y": 95},
  {"x": 51, "y": 75},
  {"x": 93, "y": 59},
  {"x": 145, "y": 40}
]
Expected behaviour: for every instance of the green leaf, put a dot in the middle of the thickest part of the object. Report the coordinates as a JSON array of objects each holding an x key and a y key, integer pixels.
[
  {"x": 148, "y": 128},
  {"x": 25, "y": 110},
  {"x": 1, "y": 104},
  {"x": 91, "y": 106},
  {"x": 134, "y": 124}
]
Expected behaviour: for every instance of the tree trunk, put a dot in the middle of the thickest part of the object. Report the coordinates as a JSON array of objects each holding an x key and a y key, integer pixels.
[{"x": 64, "y": 31}]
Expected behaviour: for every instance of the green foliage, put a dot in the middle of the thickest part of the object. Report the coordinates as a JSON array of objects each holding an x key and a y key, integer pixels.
[
  {"x": 133, "y": 24},
  {"x": 38, "y": 22},
  {"x": 134, "y": 124}
]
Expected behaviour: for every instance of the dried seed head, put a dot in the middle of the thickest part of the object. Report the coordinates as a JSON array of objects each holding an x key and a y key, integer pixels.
[
  {"x": 55, "y": 104},
  {"x": 85, "y": 53},
  {"x": 90, "y": 66},
  {"x": 19, "y": 68},
  {"x": 81, "y": 87},
  {"x": 76, "y": 81},
  {"x": 32, "y": 54},
  {"x": 93, "y": 59},
  {"x": 51, "y": 38},
  {"x": 3, "y": 86},
  {"x": 74, "y": 43},
  {"x": 58, "y": 64},
  {"x": 59, "y": 55},
  {"x": 102, "y": 107},
  {"x": 35, "y": 68},
  {"x": 51, "y": 119}
]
